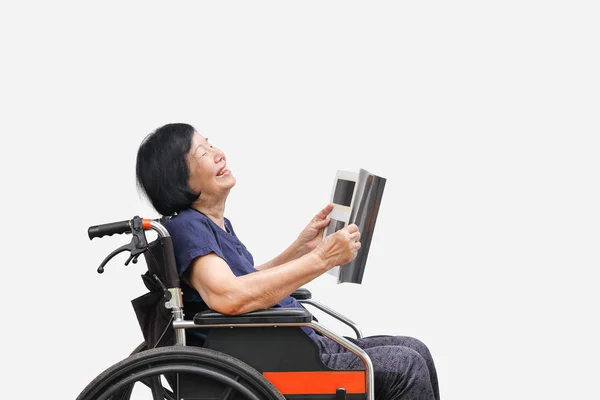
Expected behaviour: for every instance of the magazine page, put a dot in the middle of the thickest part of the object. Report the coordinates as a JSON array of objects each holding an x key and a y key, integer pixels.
[{"x": 343, "y": 195}]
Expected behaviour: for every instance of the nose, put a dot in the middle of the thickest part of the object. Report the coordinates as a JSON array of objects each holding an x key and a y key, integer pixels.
[{"x": 219, "y": 155}]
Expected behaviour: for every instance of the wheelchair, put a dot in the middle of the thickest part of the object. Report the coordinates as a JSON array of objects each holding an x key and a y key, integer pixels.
[{"x": 258, "y": 355}]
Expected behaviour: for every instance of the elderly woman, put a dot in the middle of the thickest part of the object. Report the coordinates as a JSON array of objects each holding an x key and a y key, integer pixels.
[{"x": 184, "y": 176}]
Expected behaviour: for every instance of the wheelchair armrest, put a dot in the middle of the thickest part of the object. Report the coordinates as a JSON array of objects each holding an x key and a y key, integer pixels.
[
  {"x": 335, "y": 315},
  {"x": 270, "y": 316},
  {"x": 301, "y": 294}
]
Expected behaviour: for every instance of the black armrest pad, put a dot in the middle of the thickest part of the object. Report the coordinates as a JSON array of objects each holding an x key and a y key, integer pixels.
[
  {"x": 269, "y": 316},
  {"x": 301, "y": 294}
]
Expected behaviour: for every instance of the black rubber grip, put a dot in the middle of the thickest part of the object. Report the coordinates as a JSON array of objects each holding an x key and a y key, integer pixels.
[{"x": 109, "y": 229}]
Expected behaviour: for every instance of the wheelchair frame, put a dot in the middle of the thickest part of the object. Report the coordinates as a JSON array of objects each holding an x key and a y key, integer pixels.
[{"x": 173, "y": 292}]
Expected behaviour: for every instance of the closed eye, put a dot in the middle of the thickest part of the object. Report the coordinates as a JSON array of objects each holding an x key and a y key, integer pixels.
[{"x": 204, "y": 147}]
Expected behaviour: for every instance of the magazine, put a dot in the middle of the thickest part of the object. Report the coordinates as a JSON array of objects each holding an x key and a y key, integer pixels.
[{"x": 356, "y": 198}]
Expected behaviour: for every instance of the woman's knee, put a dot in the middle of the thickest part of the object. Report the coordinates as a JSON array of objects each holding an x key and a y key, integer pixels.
[
  {"x": 401, "y": 371},
  {"x": 415, "y": 344}
]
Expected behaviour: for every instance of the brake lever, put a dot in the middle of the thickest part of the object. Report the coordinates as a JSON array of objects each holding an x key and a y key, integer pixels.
[
  {"x": 121, "y": 249},
  {"x": 132, "y": 258}
]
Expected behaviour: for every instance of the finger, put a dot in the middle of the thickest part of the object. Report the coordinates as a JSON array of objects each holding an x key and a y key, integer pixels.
[
  {"x": 355, "y": 237},
  {"x": 324, "y": 212},
  {"x": 354, "y": 249},
  {"x": 352, "y": 228}
]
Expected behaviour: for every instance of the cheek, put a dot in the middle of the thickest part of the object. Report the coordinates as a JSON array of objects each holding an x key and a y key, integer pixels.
[
  {"x": 195, "y": 180},
  {"x": 199, "y": 179}
]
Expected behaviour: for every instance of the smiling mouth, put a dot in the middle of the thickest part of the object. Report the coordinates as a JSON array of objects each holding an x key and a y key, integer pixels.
[{"x": 223, "y": 171}]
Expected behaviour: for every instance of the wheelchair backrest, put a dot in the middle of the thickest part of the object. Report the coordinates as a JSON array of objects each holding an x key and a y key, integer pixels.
[{"x": 152, "y": 315}]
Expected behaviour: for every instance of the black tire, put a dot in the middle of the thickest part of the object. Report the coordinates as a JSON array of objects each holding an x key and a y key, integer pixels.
[
  {"x": 235, "y": 376},
  {"x": 141, "y": 347},
  {"x": 125, "y": 394}
]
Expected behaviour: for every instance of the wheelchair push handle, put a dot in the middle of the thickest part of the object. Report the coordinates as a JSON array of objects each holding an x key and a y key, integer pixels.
[
  {"x": 109, "y": 229},
  {"x": 138, "y": 244},
  {"x": 127, "y": 226}
]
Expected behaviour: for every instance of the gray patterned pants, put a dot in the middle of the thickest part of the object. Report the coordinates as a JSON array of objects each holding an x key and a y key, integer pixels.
[{"x": 403, "y": 365}]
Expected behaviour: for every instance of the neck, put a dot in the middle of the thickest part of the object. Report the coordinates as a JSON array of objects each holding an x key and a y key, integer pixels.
[{"x": 215, "y": 210}]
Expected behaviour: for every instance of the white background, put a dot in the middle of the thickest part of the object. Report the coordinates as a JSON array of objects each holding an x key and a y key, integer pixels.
[{"x": 482, "y": 116}]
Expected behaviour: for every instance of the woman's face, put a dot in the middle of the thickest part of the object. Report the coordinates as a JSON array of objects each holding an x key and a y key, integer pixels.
[{"x": 208, "y": 169}]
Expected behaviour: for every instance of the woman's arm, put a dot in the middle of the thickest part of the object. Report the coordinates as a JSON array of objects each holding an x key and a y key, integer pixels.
[
  {"x": 293, "y": 252},
  {"x": 307, "y": 240},
  {"x": 225, "y": 293}
]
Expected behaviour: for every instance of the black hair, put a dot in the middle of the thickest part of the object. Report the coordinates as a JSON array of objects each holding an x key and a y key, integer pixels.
[{"x": 161, "y": 169}]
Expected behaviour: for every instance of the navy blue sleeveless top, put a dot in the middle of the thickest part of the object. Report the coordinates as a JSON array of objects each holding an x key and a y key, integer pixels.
[{"x": 195, "y": 235}]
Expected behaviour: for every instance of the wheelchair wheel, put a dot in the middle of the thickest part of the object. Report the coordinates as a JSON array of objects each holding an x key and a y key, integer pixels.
[{"x": 180, "y": 372}]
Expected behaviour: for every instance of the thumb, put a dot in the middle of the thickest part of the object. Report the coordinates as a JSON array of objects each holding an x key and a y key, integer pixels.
[{"x": 324, "y": 212}]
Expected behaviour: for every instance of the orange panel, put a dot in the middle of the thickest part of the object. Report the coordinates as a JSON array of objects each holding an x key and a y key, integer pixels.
[
  {"x": 317, "y": 382},
  {"x": 146, "y": 223}
]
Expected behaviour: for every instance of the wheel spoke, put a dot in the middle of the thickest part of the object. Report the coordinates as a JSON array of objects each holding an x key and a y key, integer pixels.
[
  {"x": 157, "y": 392},
  {"x": 169, "y": 395}
]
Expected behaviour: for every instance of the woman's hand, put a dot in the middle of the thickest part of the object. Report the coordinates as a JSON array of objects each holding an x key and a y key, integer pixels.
[
  {"x": 339, "y": 248},
  {"x": 312, "y": 235}
]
